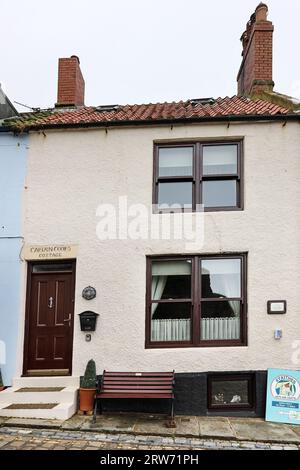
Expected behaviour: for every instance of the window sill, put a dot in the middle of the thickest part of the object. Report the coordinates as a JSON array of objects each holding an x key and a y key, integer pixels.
[
  {"x": 204, "y": 344},
  {"x": 191, "y": 211}
]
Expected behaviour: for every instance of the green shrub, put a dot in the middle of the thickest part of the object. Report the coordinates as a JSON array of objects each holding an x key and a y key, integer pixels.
[{"x": 90, "y": 378}]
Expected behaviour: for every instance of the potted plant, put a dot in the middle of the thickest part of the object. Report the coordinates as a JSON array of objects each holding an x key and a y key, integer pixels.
[
  {"x": 88, "y": 388},
  {"x": 1, "y": 382}
]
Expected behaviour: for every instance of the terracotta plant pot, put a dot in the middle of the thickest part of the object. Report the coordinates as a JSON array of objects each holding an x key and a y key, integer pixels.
[
  {"x": 86, "y": 399},
  {"x": 1, "y": 388}
]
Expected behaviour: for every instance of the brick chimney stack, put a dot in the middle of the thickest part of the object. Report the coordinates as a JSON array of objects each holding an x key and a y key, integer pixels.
[
  {"x": 256, "y": 72},
  {"x": 70, "y": 89}
]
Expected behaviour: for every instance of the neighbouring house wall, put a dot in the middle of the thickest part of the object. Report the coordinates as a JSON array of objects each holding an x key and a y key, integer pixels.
[
  {"x": 12, "y": 175},
  {"x": 71, "y": 172}
]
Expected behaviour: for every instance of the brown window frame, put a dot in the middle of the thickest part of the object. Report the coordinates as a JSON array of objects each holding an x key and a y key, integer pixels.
[
  {"x": 249, "y": 377},
  {"x": 197, "y": 176},
  {"x": 196, "y": 300}
]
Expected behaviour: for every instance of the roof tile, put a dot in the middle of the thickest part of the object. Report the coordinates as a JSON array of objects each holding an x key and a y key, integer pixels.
[{"x": 221, "y": 107}]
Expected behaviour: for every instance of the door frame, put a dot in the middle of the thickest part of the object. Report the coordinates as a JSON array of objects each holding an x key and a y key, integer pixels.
[{"x": 30, "y": 274}]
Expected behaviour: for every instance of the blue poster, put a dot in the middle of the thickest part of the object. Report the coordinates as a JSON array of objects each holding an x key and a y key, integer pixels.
[{"x": 283, "y": 396}]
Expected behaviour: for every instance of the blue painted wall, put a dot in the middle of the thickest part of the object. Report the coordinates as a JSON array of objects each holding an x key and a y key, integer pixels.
[{"x": 13, "y": 151}]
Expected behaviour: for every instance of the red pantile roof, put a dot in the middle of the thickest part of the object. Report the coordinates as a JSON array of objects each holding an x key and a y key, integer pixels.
[{"x": 233, "y": 107}]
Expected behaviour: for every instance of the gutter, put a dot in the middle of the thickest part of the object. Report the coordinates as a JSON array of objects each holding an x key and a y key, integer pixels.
[{"x": 138, "y": 123}]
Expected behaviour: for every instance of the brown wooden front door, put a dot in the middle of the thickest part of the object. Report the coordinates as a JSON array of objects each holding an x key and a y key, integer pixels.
[{"x": 50, "y": 317}]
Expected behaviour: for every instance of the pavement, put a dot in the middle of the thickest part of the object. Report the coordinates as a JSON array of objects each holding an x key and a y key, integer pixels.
[{"x": 124, "y": 431}]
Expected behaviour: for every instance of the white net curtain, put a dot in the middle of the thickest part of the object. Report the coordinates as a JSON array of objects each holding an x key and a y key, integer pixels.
[
  {"x": 168, "y": 329},
  {"x": 220, "y": 316},
  {"x": 223, "y": 281}
]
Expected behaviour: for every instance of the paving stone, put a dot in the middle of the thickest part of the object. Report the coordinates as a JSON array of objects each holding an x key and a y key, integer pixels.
[
  {"x": 187, "y": 426},
  {"x": 6, "y": 438},
  {"x": 9, "y": 430},
  {"x": 18, "y": 444},
  {"x": 100, "y": 436},
  {"x": 247, "y": 445},
  {"x": 110, "y": 424},
  {"x": 76, "y": 422},
  {"x": 210, "y": 444},
  {"x": 211, "y": 426},
  {"x": 3, "y": 443},
  {"x": 296, "y": 428},
  {"x": 148, "y": 439},
  {"x": 153, "y": 426},
  {"x": 235, "y": 444},
  {"x": 258, "y": 430},
  {"x": 167, "y": 440},
  {"x": 25, "y": 431}
]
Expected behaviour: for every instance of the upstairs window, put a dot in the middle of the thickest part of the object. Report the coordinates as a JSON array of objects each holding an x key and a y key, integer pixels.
[{"x": 186, "y": 175}]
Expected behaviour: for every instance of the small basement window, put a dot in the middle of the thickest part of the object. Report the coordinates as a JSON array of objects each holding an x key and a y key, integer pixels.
[{"x": 231, "y": 391}]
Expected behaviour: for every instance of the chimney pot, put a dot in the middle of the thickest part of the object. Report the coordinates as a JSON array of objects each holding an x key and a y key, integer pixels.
[
  {"x": 261, "y": 12},
  {"x": 75, "y": 57}
]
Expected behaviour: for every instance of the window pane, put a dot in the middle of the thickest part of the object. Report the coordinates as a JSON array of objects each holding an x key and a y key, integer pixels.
[
  {"x": 46, "y": 268},
  {"x": 220, "y": 320},
  {"x": 171, "y": 280},
  {"x": 171, "y": 322},
  {"x": 180, "y": 194},
  {"x": 219, "y": 193},
  {"x": 221, "y": 278},
  {"x": 220, "y": 159},
  {"x": 176, "y": 161},
  {"x": 229, "y": 392}
]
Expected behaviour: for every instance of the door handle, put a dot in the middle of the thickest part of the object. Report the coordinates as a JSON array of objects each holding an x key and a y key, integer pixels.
[{"x": 68, "y": 320}]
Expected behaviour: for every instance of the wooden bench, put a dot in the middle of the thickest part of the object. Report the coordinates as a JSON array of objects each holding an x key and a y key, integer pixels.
[{"x": 143, "y": 385}]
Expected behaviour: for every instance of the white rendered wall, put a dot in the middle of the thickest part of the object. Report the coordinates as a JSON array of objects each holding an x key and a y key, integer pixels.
[{"x": 71, "y": 172}]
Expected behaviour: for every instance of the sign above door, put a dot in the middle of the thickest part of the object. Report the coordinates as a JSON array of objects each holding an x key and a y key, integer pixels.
[{"x": 46, "y": 252}]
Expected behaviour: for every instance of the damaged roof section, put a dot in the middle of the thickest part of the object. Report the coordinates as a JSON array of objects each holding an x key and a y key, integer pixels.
[
  {"x": 182, "y": 111},
  {"x": 292, "y": 104}
]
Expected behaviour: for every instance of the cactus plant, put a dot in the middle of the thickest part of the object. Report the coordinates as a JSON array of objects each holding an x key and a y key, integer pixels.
[
  {"x": 89, "y": 379},
  {"x": 88, "y": 388}
]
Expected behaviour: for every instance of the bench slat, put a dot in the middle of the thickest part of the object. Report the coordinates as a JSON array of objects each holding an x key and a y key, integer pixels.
[
  {"x": 128, "y": 390},
  {"x": 134, "y": 395},
  {"x": 141, "y": 382},
  {"x": 140, "y": 379},
  {"x": 137, "y": 389},
  {"x": 139, "y": 374}
]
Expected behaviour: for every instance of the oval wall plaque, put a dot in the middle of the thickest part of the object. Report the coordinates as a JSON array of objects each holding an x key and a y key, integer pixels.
[{"x": 89, "y": 293}]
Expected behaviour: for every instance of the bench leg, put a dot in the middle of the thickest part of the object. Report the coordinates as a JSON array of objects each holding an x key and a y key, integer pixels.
[
  {"x": 171, "y": 422},
  {"x": 95, "y": 411},
  {"x": 172, "y": 409}
]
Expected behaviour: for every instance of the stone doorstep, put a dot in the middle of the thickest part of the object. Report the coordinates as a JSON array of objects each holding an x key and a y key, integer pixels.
[
  {"x": 30, "y": 423},
  {"x": 142, "y": 427}
]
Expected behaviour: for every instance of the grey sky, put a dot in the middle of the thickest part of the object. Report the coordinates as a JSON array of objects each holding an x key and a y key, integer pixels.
[{"x": 135, "y": 51}]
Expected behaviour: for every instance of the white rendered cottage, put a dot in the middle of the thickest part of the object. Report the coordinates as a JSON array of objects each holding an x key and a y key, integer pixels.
[{"x": 202, "y": 304}]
